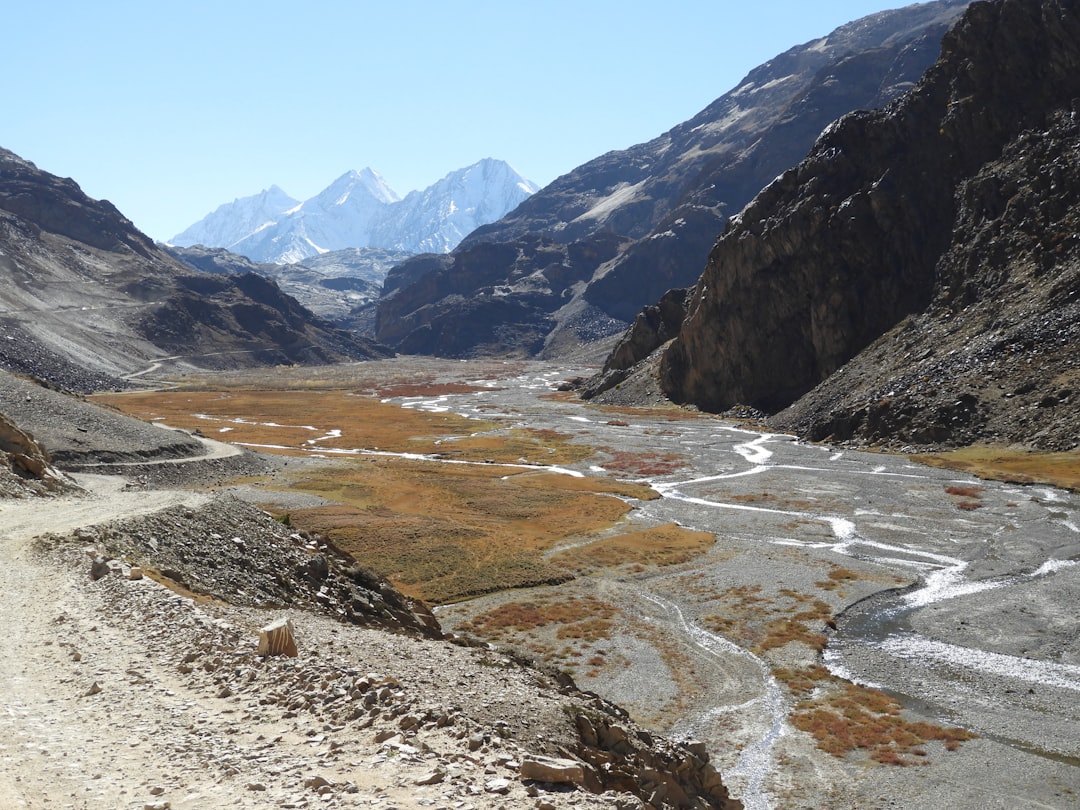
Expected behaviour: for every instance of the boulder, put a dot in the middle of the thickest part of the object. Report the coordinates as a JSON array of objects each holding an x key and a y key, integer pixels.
[
  {"x": 555, "y": 771},
  {"x": 277, "y": 639}
]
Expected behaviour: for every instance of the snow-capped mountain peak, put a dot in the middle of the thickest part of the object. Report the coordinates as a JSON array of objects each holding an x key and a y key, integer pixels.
[
  {"x": 359, "y": 209},
  {"x": 232, "y": 222}
]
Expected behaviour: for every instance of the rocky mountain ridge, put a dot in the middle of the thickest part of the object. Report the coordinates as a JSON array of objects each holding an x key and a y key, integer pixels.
[
  {"x": 359, "y": 210},
  {"x": 341, "y": 286},
  {"x": 937, "y": 235},
  {"x": 577, "y": 261},
  {"x": 90, "y": 299}
]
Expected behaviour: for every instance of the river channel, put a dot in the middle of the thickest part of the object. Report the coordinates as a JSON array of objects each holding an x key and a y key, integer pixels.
[{"x": 959, "y": 597}]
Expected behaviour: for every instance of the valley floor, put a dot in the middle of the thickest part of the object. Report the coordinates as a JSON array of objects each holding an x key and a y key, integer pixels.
[{"x": 854, "y": 630}]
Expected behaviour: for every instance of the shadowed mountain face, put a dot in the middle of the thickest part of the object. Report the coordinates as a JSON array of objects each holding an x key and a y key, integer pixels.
[
  {"x": 87, "y": 298},
  {"x": 949, "y": 218},
  {"x": 662, "y": 203}
]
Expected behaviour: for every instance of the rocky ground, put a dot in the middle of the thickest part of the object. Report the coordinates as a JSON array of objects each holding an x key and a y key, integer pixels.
[{"x": 122, "y": 692}]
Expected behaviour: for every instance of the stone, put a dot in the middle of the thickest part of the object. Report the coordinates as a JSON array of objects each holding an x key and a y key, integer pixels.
[
  {"x": 277, "y": 639},
  {"x": 432, "y": 777},
  {"x": 552, "y": 770},
  {"x": 497, "y": 785},
  {"x": 99, "y": 568}
]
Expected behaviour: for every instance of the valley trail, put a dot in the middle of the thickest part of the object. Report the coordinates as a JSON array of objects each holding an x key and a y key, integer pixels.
[
  {"x": 53, "y": 740},
  {"x": 120, "y": 694}
]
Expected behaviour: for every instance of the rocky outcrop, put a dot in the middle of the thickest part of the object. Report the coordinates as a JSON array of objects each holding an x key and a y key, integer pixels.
[
  {"x": 661, "y": 773},
  {"x": 665, "y": 200},
  {"x": 871, "y": 227},
  {"x": 89, "y": 298},
  {"x": 992, "y": 358},
  {"x": 654, "y": 326},
  {"x": 231, "y": 551},
  {"x": 24, "y": 465}
]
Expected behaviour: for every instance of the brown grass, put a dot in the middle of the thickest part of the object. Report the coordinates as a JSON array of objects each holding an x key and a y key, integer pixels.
[
  {"x": 580, "y": 618},
  {"x": 293, "y": 419},
  {"x": 1014, "y": 466},
  {"x": 440, "y": 532},
  {"x": 845, "y": 718},
  {"x": 642, "y": 464},
  {"x": 659, "y": 546},
  {"x": 444, "y": 533}
]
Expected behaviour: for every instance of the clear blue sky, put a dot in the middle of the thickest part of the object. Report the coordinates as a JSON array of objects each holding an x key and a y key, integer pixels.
[{"x": 169, "y": 108}]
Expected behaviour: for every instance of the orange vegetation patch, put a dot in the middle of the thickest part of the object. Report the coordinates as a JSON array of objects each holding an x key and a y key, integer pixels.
[
  {"x": 1014, "y": 466},
  {"x": 838, "y": 578},
  {"x": 306, "y": 422},
  {"x": 580, "y": 618},
  {"x": 643, "y": 464},
  {"x": 845, "y": 718},
  {"x": 967, "y": 499},
  {"x": 669, "y": 544},
  {"x": 762, "y": 623},
  {"x": 447, "y": 532}
]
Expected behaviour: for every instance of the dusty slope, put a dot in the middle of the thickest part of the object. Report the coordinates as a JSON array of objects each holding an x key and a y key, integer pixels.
[
  {"x": 87, "y": 298},
  {"x": 121, "y": 694}
]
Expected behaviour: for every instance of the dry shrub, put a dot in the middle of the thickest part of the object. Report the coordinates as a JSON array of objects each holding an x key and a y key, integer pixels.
[
  {"x": 581, "y": 618},
  {"x": 764, "y": 624},
  {"x": 669, "y": 544},
  {"x": 646, "y": 465},
  {"x": 965, "y": 492},
  {"x": 845, "y": 718},
  {"x": 838, "y": 577}
]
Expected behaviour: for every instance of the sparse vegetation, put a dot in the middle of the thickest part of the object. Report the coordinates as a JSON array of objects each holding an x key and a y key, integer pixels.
[
  {"x": 838, "y": 577},
  {"x": 761, "y": 623},
  {"x": 966, "y": 499},
  {"x": 659, "y": 546},
  {"x": 578, "y": 619},
  {"x": 845, "y": 718},
  {"x": 1014, "y": 466},
  {"x": 646, "y": 465}
]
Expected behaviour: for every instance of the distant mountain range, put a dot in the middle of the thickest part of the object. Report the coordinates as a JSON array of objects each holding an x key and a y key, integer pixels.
[
  {"x": 87, "y": 299},
  {"x": 359, "y": 210}
]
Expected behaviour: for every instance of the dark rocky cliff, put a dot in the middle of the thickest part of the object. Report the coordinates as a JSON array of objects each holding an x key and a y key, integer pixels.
[
  {"x": 955, "y": 208},
  {"x": 664, "y": 202}
]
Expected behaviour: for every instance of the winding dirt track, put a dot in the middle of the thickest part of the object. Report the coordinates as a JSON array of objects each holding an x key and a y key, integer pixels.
[{"x": 54, "y": 742}]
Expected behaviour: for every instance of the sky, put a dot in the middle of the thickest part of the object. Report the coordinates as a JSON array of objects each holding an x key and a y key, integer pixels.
[{"x": 171, "y": 108}]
